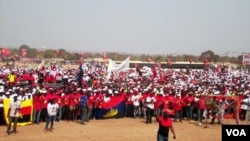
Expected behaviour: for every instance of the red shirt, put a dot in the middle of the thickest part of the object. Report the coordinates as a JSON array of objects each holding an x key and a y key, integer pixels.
[
  {"x": 166, "y": 123},
  {"x": 178, "y": 104},
  {"x": 31, "y": 78},
  {"x": 78, "y": 97},
  {"x": 202, "y": 103},
  {"x": 129, "y": 101},
  {"x": 189, "y": 100},
  {"x": 50, "y": 79},
  {"x": 98, "y": 100},
  {"x": 159, "y": 101},
  {"x": 24, "y": 77},
  {"x": 59, "y": 100},
  {"x": 72, "y": 100},
  {"x": 37, "y": 102},
  {"x": 91, "y": 101},
  {"x": 65, "y": 100},
  {"x": 50, "y": 96},
  {"x": 45, "y": 101}
]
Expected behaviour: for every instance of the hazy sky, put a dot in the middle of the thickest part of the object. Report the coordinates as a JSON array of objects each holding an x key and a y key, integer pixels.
[{"x": 128, "y": 26}]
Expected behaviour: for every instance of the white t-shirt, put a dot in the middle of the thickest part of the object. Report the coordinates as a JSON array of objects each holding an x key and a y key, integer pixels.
[
  {"x": 52, "y": 109},
  {"x": 13, "y": 108},
  {"x": 150, "y": 102},
  {"x": 135, "y": 100},
  {"x": 106, "y": 98},
  {"x": 244, "y": 104}
]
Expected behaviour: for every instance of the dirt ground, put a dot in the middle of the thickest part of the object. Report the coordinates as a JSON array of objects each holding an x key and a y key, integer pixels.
[{"x": 123, "y": 129}]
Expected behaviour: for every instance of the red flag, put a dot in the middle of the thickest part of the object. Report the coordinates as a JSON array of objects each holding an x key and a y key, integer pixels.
[
  {"x": 26, "y": 110},
  {"x": 163, "y": 75},
  {"x": 80, "y": 61},
  {"x": 58, "y": 52},
  {"x": 190, "y": 60},
  {"x": 206, "y": 63},
  {"x": 150, "y": 59},
  {"x": 244, "y": 63},
  {"x": 23, "y": 52},
  {"x": 5, "y": 51},
  {"x": 81, "y": 54},
  {"x": 105, "y": 56},
  {"x": 154, "y": 72},
  {"x": 169, "y": 61},
  {"x": 159, "y": 65}
]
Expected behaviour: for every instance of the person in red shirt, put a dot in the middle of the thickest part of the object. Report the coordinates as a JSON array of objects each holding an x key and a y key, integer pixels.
[
  {"x": 165, "y": 123},
  {"x": 72, "y": 106},
  {"x": 37, "y": 107},
  {"x": 31, "y": 79},
  {"x": 168, "y": 104},
  {"x": 78, "y": 95},
  {"x": 159, "y": 102},
  {"x": 50, "y": 78},
  {"x": 178, "y": 104},
  {"x": 44, "y": 106},
  {"x": 65, "y": 108},
  {"x": 202, "y": 107},
  {"x": 189, "y": 105},
  {"x": 98, "y": 103},
  {"x": 129, "y": 105},
  {"x": 24, "y": 76},
  {"x": 59, "y": 101},
  {"x": 90, "y": 105}
]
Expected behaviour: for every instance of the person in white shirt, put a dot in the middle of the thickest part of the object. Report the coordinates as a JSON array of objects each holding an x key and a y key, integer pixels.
[
  {"x": 150, "y": 101},
  {"x": 243, "y": 108},
  {"x": 52, "y": 110},
  {"x": 135, "y": 99},
  {"x": 221, "y": 109},
  {"x": 248, "y": 109},
  {"x": 13, "y": 114}
]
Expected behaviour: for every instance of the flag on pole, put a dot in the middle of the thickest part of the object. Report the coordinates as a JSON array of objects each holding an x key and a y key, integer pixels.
[
  {"x": 5, "y": 51},
  {"x": 23, "y": 52}
]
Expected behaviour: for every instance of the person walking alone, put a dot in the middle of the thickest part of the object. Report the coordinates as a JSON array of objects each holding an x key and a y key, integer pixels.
[{"x": 165, "y": 122}]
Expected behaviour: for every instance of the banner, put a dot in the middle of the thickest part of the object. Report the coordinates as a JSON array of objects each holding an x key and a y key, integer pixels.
[
  {"x": 25, "y": 113},
  {"x": 114, "y": 108},
  {"x": 113, "y": 66}
]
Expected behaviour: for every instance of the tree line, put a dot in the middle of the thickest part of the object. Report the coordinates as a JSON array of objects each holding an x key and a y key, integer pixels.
[{"x": 209, "y": 56}]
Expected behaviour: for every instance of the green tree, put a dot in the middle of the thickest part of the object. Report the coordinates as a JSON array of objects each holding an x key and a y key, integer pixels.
[
  {"x": 49, "y": 53},
  {"x": 207, "y": 55}
]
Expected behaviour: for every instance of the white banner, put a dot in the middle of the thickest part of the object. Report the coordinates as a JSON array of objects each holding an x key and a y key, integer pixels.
[
  {"x": 113, "y": 66},
  {"x": 124, "y": 65}
]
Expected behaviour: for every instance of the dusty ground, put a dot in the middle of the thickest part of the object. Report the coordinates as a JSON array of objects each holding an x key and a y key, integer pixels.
[{"x": 124, "y": 129}]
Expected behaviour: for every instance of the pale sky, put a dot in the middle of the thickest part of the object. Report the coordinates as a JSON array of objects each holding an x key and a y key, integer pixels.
[{"x": 127, "y": 26}]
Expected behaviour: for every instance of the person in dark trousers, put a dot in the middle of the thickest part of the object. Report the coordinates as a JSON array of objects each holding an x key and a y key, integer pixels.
[
  {"x": 52, "y": 110},
  {"x": 214, "y": 109},
  {"x": 13, "y": 114},
  {"x": 165, "y": 123}
]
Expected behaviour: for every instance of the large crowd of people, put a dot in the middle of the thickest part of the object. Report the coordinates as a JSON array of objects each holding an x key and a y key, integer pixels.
[{"x": 186, "y": 94}]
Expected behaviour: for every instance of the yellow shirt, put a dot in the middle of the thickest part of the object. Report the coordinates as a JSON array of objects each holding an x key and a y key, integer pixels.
[{"x": 11, "y": 78}]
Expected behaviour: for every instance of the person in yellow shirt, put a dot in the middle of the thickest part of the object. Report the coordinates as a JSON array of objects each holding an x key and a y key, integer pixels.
[{"x": 12, "y": 78}]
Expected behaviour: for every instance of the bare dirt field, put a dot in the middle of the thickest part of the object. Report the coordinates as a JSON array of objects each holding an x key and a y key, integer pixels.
[{"x": 123, "y": 129}]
